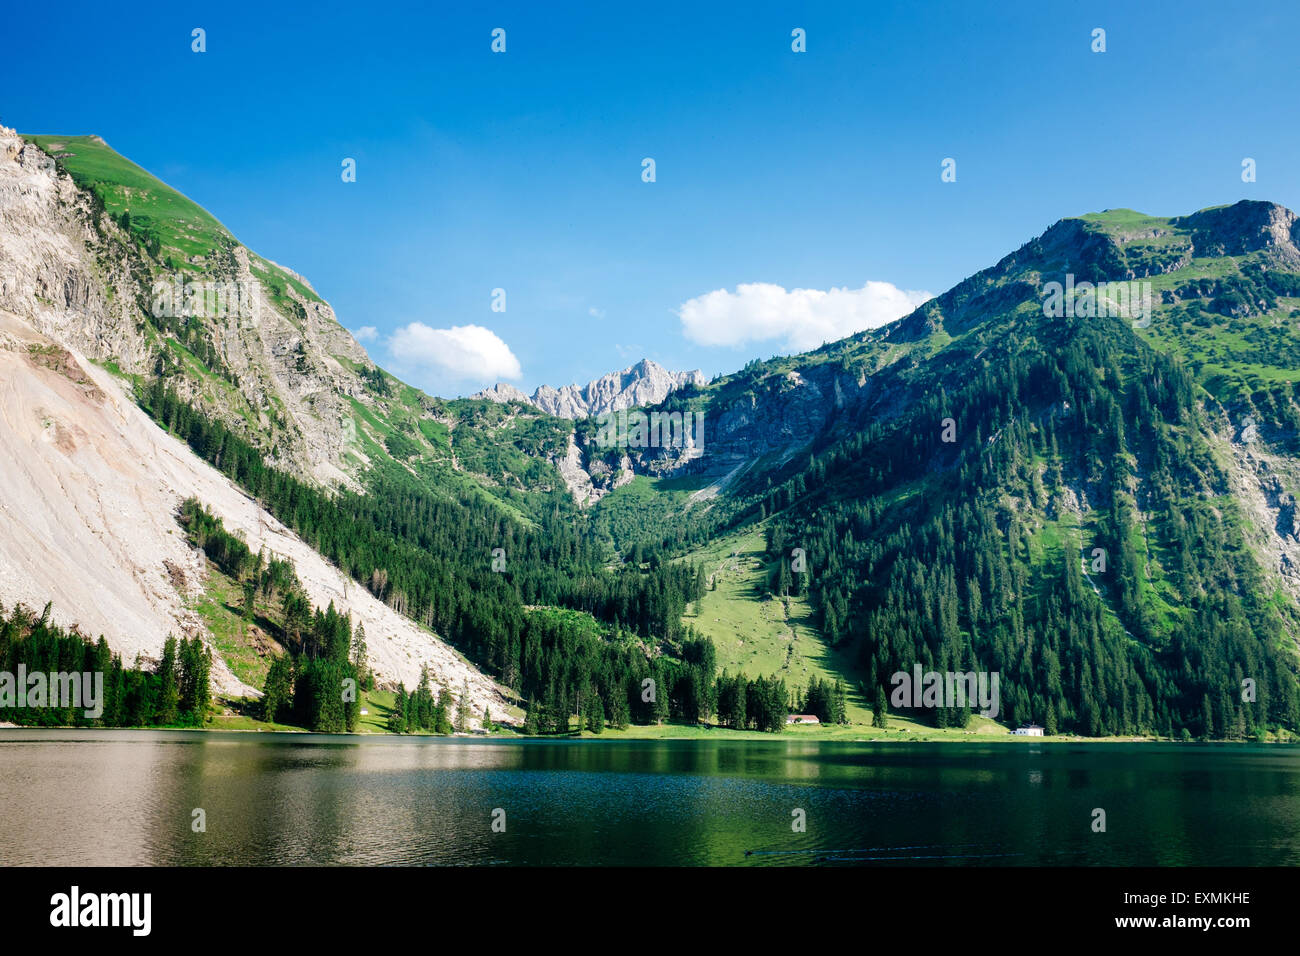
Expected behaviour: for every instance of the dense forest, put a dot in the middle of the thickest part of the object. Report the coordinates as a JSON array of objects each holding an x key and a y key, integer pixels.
[
  {"x": 1158, "y": 636},
  {"x": 421, "y": 710},
  {"x": 318, "y": 683},
  {"x": 972, "y": 554},
  {"x": 175, "y": 693},
  {"x": 432, "y": 559},
  {"x": 604, "y": 678}
]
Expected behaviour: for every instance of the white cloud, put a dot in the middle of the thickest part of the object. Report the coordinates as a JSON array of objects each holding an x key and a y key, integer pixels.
[
  {"x": 802, "y": 318},
  {"x": 367, "y": 333},
  {"x": 596, "y": 313},
  {"x": 458, "y": 354}
]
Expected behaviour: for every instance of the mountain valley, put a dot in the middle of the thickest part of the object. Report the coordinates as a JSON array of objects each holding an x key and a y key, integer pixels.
[{"x": 1099, "y": 507}]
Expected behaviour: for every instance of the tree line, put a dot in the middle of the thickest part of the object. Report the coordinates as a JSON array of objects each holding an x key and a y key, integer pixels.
[
  {"x": 173, "y": 692},
  {"x": 317, "y": 684},
  {"x": 1145, "y": 614},
  {"x": 428, "y": 552}
]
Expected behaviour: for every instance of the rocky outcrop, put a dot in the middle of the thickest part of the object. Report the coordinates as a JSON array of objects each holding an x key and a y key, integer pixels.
[
  {"x": 89, "y": 494},
  {"x": 503, "y": 394},
  {"x": 732, "y": 430},
  {"x": 70, "y": 280},
  {"x": 1245, "y": 227},
  {"x": 76, "y": 276},
  {"x": 645, "y": 383}
]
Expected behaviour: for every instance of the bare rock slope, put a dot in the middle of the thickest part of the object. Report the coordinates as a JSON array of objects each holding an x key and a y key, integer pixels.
[
  {"x": 74, "y": 274},
  {"x": 645, "y": 383},
  {"x": 90, "y": 487},
  {"x": 88, "y": 499}
]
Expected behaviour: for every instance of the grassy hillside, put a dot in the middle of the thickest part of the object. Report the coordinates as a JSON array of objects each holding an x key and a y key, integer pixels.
[
  {"x": 246, "y": 645},
  {"x": 758, "y": 634},
  {"x": 948, "y": 476},
  {"x": 155, "y": 209}
]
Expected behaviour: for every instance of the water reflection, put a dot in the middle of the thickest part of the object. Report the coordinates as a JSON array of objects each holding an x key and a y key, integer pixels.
[{"x": 109, "y": 797}]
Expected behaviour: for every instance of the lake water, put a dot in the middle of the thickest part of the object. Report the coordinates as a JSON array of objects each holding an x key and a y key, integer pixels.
[{"x": 127, "y": 797}]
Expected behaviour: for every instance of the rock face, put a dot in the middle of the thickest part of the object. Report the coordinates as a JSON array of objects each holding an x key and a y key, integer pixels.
[
  {"x": 75, "y": 276},
  {"x": 503, "y": 394},
  {"x": 772, "y": 420},
  {"x": 645, "y": 383},
  {"x": 1245, "y": 227},
  {"x": 56, "y": 270},
  {"x": 91, "y": 485}
]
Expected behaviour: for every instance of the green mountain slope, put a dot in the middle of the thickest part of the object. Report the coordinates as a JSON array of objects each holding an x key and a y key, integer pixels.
[
  {"x": 1099, "y": 507},
  {"x": 291, "y": 381},
  {"x": 1109, "y": 525},
  {"x": 156, "y": 210}
]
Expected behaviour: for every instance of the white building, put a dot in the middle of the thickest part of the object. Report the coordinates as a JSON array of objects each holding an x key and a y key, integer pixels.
[{"x": 1033, "y": 730}]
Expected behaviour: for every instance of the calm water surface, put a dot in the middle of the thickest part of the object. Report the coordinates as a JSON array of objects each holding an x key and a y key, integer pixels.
[{"x": 126, "y": 797}]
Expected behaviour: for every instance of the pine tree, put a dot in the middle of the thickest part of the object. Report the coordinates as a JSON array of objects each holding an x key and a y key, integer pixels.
[
  {"x": 359, "y": 659},
  {"x": 195, "y": 668},
  {"x": 277, "y": 690},
  {"x": 839, "y": 703},
  {"x": 463, "y": 709},
  {"x": 443, "y": 712},
  {"x": 397, "y": 717},
  {"x": 595, "y": 714},
  {"x": 531, "y": 723},
  {"x": 169, "y": 692},
  {"x": 618, "y": 710},
  {"x": 880, "y": 710}
]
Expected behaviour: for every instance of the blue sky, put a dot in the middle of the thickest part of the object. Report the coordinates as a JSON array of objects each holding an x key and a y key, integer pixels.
[{"x": 775, "y": 170}]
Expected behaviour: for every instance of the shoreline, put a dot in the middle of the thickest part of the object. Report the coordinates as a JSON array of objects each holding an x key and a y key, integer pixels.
[{"x": 669, "y": 734}]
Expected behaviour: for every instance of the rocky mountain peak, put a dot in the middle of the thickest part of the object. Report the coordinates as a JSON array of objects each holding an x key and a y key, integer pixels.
[
  {"x": 503, "y": 393},
  {"x": 645, "y": 383},
  {"x": 1245, "y": 227}
]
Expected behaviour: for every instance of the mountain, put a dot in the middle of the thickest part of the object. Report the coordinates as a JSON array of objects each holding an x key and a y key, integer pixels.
[
  {"x": 1076, "y": 468},
  {"x": 88, "y": 519},
  {"x": 645, "y": 383},
  {"x": 1099, "y": 507},
  {"x": 1217, "y": 276},
  {"x": 314, "y": 485}
]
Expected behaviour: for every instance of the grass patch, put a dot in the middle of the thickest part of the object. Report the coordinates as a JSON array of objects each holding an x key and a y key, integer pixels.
[
  {"x": 246, "y": 647},
  {"x": 760, "y": 635},
  {"x": 156, "y": 210}
]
